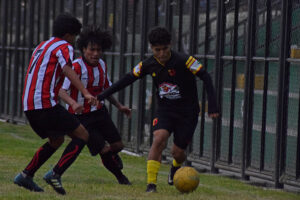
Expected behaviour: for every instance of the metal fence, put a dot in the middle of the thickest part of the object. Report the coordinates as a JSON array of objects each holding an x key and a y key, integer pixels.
[{"x": 249, "y": 48}]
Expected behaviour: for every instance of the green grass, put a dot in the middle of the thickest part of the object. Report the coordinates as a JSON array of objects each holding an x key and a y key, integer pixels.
[{"x": 88, "y": 179}]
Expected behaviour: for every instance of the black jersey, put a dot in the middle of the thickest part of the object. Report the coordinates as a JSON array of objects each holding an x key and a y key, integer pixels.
[{"x": 175, "y": 81}]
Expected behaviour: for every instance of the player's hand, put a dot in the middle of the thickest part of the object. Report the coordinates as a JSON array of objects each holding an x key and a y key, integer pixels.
[
  {"x": 100, "y": 97},
  {"x": 91, "y": 99},
  {"x": 213, "y": 115},
  {"x": 77, "y": 108},
  {"x": 125, "y": 110}
]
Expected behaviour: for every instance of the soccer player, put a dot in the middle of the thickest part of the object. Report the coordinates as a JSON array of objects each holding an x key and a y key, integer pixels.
[
  {"x": 177, "y": 111},
  {"x": 92, "y": 72},
  {"x": 50, "y": 62}
]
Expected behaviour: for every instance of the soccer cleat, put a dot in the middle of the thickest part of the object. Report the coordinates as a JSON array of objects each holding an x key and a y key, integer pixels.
[
  {"x": 117, "y": 159},
  {"x": 151, "y": 188},
  {"x": 171, "y": 174},
  {"x": 55, "y": 182},
  {"x": 123, "y": 180},
  {"x": 27, "y": 182}
]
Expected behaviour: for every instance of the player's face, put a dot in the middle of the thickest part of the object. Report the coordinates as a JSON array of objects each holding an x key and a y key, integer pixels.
[
  {"x": 92, "y": 54},
  {"x": 161, "y": 52}
]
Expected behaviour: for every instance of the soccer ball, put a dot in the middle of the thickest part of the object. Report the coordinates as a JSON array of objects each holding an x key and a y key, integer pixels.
[{"x": 186, "y": 179}]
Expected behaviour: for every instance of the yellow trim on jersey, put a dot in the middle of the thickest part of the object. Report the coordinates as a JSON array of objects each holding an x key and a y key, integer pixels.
[
  {"x": 159, "y": 61},
  {"x": 170, "y": 54},
  {"x": 137, "y": 69},
  {"x": 193, "y": 65},
  {"x": 189, "y": 60}
]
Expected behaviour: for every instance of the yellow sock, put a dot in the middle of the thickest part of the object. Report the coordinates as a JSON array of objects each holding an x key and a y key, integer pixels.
[
  {"x": 152, "y": 170},
  {"x": 176, "y": 164}
]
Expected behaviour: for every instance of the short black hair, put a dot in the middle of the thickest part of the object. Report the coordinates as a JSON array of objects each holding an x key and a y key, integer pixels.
[
  {"x": 94, "y": 35},
  {"x": 159, "y": 36},
  {"x": 66, "y": 23}
]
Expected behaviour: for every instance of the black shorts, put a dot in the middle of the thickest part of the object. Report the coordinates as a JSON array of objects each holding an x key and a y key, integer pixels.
[
  {"x": 55, "y": 121},
  {"x": 182, "y": 124},
  {"x": 101, "y": 129}
]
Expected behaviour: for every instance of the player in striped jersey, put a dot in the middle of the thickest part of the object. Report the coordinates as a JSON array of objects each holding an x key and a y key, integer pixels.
[
  {"x": 92, "y": 72},
  {"x": 177, "y": 111},
  {"x": 50, "y": 62}
]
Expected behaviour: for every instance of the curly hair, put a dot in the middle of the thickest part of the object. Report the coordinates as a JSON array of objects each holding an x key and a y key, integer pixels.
[
  {"x": 159, "y": 36},
  {"x": 94, "y": 35},
  {"x": 66, "y": 23}
]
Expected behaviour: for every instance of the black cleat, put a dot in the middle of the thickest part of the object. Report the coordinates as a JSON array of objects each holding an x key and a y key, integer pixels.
[
  {"x": 171, "y": 174},
  {"x": 27, "y": 182},
  {"x": 123, "y": 180},
  {"x": 55, "y": 182},
  {"x": 151, "y": 188}
]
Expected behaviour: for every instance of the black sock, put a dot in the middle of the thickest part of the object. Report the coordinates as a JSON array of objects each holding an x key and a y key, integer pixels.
[
  {"x": 173, "y": 170},
  {"x": 39, "y": 158},
  {"x": 69, "y": 156},
  {"x": 110, "y": 164}
]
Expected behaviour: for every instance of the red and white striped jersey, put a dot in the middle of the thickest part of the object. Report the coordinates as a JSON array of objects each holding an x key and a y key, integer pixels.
[
  {"x": 94, "y": 78},
  {"x": 44, "y": 75}
]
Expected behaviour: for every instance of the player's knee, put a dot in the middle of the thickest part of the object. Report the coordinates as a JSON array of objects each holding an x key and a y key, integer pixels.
[
  {"x": 56, "y": 142},
  {"x": 159, "y": 144},
  {"x": 160, "y": 139},
  {"x": 104, "y": 150},
  {"x": 81, "y": 133},
  {"x": 117, "y": 146}
]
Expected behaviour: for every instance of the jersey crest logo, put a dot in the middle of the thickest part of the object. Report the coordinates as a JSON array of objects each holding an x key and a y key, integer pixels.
[
  {"x": 172, "y": 72},
  {"x": 169, "y": 91}
]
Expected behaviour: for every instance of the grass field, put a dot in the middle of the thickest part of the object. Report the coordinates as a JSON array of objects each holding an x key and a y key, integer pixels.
[{"x": 88, "y": 179}]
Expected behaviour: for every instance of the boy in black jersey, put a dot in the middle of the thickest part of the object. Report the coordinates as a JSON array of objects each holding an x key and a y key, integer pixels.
[{"x": 177, "y": 111}]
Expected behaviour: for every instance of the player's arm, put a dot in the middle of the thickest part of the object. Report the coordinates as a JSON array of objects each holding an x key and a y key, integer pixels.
[
  {"x": 197, "y": 69},
  {"x": 71, "y": 74},
  {"x": 63, "y": 94},
  {"x": 213, "y": 110},
  {"x": 128, "y": 79},
  {"x": 121, "y": 107}
]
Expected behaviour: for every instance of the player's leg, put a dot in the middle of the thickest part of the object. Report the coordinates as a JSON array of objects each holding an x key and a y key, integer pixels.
[
  {"x": 68, "y": 124},
  {"x": 179, "y": 157},
  {"x": 39, "y": 121},
  {"x": 40, "y": 157},
  {"x": 110, "y": 158},
  {"x": 154, "y": 158},
  {"x": 112, "y": 161},
  {"x": 43, "y": 154},
  {"x": 113, "y": 149},
  {"x": 163, "y": 125},
  {"x": 183, "y": 134}
]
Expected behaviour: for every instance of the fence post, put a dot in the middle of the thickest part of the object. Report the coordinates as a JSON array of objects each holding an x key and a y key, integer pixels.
[
  {"x": 283, "y": 92},
  {"x": 142, "y": 85},
  {"x": 122, "y": 68},
  {"x": 46, "y": 20},
  {"x": 16, "y": 67},
  {"x": 85, "y": 15},
  {"x": 4, "y": 18},
  {"x": 217, "y": 123}
]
